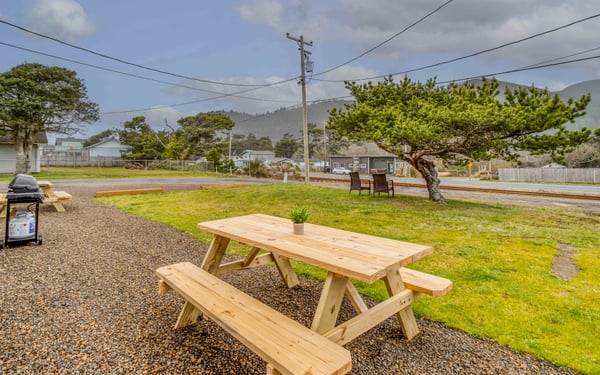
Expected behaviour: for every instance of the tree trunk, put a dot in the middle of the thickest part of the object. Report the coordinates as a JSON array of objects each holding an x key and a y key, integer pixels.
[
  {"x": 22, "y": 158},
  {"x": 429, "y": 173}
]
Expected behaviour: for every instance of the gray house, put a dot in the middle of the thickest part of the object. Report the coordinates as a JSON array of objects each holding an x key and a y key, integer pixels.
[
  {"x": 68, "y": 144},
  {"x": 8, "y": 159},
  {"x": 70, "y": 152},
  {"x": 365, "y": 163}
]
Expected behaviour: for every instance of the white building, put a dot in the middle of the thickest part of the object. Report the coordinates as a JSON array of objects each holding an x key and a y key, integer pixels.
[
  {"x": 250, "y": 155},
  {"x": 107, "y": 148},
  {"x": 8, "y": 158}
]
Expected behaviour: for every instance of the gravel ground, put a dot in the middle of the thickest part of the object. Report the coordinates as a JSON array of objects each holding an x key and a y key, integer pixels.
[{"x": 86, "y": 302}]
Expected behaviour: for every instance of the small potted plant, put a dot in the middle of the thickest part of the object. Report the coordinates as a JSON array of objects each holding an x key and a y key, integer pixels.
[{"x": 298, "y": 217}]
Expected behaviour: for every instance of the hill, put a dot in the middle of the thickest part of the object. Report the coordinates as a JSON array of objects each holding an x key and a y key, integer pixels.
[
  {"x": 286, "y": 120},
  {"x": 592, "y": 118},
  {"x": 289, "y": 120},
  {"x": 276, "y": 124}
]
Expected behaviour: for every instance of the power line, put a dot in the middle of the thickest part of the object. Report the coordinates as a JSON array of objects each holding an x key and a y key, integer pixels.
[
  {"x": 190, "y": 102},
  {"x": 517, "y": 70},
  {"x": 472, "y": 54},
  {"x": 182, "y": 104},
  {"x": 297, "y": 105},
  {"x": 221, "y": 95},
  {"x": 139, "y": 76},
  {"x": 124, "y": 61},
  {"x": 387, "y": 40},
  {"x": 564, "y": 57}
]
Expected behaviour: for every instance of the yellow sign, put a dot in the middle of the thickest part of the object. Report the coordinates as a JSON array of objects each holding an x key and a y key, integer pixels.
[{"x": 469, "y": 164}]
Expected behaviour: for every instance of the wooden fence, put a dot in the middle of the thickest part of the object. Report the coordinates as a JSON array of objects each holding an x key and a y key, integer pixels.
[{"x": 581, "y": 175}]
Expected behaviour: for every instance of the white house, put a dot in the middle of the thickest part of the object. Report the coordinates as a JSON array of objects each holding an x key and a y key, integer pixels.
[
  {"x": 107, "y": 148},
  {"x": 250, "y": 155},
  {"x": 8, "y": 159}
]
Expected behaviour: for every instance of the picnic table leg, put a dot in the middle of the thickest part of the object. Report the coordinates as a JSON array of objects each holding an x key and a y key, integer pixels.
[
  {"x": 59, "y": 207},
  {"x": 329, "y": 303},
  {"x": 215, "y": 254},
  {"x": 286, "y": 271},
  {"x": 406, "y": 317},
  {"x": 355, "y": 298},
  {"x": 189, "y": 313}
]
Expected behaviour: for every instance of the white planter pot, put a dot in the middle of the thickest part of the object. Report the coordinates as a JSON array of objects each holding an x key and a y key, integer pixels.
[{"x": 298, "y": 228}]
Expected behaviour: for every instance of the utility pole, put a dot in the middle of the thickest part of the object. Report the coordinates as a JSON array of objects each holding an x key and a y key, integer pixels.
[
  {"x": 304, "y": 57},
  {"x": 324, "y": 147},
  {"x": 229, "y": 161}
]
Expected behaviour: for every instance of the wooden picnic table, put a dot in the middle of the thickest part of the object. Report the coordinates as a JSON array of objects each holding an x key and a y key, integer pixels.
[
  {"x": 49, "y": 195},
  {"x": 52, "y": 196},
  {"x": 287, "y": 346},
  {"x": 344, "y": 255}
]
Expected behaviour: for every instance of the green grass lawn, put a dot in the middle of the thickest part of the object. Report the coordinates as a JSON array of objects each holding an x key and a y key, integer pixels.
[{"x": 499, "y": 257}]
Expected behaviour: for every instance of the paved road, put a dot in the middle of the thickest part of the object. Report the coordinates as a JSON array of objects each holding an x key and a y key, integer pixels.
[
  {"x": 502, "y": 197},
  {"x": 145, "y": 182},
  {"x": 505, "y": 185},
  {"x": 452, "y": 181}
]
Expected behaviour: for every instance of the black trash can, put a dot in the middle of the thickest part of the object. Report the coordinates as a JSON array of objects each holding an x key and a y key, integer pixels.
[{"x": 22, "y": 225}]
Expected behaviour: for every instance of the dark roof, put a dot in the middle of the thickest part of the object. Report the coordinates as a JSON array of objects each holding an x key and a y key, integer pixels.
[{"x": 40, "y": 138}]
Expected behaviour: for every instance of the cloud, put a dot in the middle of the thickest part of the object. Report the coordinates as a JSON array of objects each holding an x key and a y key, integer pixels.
[
  {"x": 556, "y": 86},
  {"x": 295, "y": 16},
  {"x": 263, "y": 12},
  {"x": 277, "y": 93},
  {"x": 156, "y": 118},
  {"x": 250, "y": 98},
  {"x": 64, "y": 19},
  {"x": 459, "y": 28},
  {"x": 159, "y": 115}
]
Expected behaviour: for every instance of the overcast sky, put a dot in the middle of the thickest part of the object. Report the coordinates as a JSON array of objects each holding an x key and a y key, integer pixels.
[{"x": 241, "y": 43}]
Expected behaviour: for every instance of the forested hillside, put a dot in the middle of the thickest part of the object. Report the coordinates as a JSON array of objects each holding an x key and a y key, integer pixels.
[{"x": 276, "y": 124}]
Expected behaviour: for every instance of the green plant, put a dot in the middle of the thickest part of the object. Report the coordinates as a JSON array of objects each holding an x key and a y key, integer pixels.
[{"x": 299, "y": 215}]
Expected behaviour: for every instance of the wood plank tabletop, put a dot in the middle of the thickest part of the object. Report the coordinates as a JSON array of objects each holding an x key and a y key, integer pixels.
[{"x": 358, "y": 256}]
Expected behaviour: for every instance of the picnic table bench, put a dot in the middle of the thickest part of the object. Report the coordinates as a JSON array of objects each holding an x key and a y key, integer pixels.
[
  {"x": 51, "y": 196},
  {"x": 287, "y": 346}
]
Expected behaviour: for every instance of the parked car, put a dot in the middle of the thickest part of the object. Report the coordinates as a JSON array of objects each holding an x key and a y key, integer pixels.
[{"x": 341, "y": 170}]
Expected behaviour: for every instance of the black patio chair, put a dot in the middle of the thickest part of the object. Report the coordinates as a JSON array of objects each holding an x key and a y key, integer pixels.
[
  {"x": 382, "y": 185},
  {"x": 356, "y": 184}
]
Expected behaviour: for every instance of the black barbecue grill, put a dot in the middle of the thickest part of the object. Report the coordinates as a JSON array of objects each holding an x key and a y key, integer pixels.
[
  {"x": 24, "y": 189},
  {"x": 22, "y": 227}
]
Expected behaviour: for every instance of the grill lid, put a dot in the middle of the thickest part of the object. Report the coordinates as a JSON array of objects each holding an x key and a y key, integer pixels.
[{"x": 23, "y": 188}]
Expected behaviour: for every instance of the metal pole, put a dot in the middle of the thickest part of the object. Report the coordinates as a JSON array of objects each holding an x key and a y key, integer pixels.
[
  {"x": 230, "y": 166},
  {"x": 303, "y": 53},
  {"x": 304, "y": 114},
  {"x": 324, "y": 148}
]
